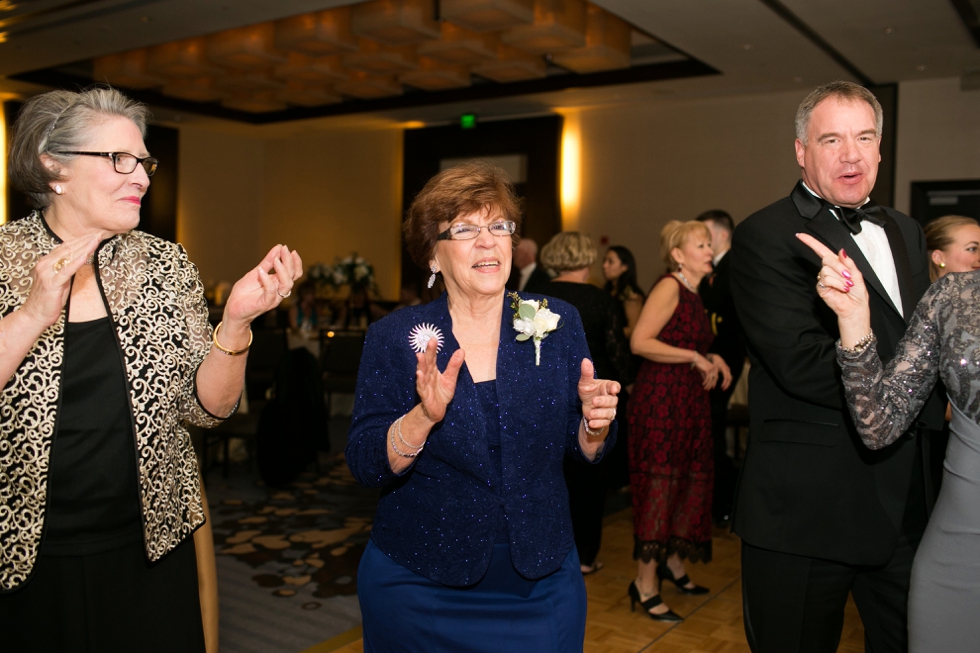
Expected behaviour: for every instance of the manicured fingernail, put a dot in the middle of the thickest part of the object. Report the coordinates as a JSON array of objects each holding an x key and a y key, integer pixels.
[
  {"x": 844, "y": 252},
  {"x": 847, "y": 289},
  {"x": 846, "y": 274},
  {"x": 849, "y": 283}
]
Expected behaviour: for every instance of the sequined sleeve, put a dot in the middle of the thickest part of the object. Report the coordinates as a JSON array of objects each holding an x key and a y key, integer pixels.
[{"x": 884, "y": 400}]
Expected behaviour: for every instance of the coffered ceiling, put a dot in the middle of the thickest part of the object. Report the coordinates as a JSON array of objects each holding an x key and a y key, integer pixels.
[{"x": 706, "y": 48}]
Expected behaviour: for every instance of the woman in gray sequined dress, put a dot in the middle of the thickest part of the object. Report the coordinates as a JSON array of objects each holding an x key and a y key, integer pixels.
[{"x": 942, "y": 341}]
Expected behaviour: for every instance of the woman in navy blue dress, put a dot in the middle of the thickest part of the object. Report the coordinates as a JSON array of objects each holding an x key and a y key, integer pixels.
[{"x": 465, "y": 409}]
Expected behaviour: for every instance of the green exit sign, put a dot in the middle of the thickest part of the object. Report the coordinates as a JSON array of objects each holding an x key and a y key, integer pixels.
[{"x": 467, "y": 120}]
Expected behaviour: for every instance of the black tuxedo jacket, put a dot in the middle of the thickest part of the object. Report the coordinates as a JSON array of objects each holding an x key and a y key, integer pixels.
[
  {"x": 808, "y": 485},
  {"x": 716, "y": 293}
]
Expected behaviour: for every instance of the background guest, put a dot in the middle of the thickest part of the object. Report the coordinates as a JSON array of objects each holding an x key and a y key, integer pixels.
[
  {"x": 527, "y": 275},
  {"x": 953, "y": 245},
  {"x": 619, "y": 270},
  {"x": 303, "y": 311},
  {"x": 107, "y": 354},
  {"x": 358, "y": 312},
  {"x": 472, "y": 541},
  {"x": 716, "y": 293},
  {"x": 670, "y": 422},
  {"x": 571, "y": 255}
]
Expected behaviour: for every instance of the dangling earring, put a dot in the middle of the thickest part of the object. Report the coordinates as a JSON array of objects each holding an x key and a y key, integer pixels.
[
  {"x": 432, "y": 279},
  {"x": 58, "y": 189}
]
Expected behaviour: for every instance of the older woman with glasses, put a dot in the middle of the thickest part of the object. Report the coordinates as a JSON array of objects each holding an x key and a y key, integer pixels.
[
  {"x": 465, "y": 410},
  {"x": 105, "y": 354}
]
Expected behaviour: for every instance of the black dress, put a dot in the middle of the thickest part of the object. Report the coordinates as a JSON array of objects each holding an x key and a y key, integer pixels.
[
  {"x": 92, "y": 588},
  {"x": 602, "y": 320}
]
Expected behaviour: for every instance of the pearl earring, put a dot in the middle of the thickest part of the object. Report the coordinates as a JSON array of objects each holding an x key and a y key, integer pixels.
[
  {"x": 432, "y": 279},
  {"x": 58, "y": 189},
  {"x": 942, "y": 265}
]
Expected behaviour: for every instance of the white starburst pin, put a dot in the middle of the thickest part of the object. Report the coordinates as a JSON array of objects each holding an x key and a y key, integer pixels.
[{"x": 421, "y": 334}]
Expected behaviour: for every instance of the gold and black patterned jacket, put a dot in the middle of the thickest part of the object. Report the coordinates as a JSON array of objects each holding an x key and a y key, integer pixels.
[{"x": 155, "y": 300}]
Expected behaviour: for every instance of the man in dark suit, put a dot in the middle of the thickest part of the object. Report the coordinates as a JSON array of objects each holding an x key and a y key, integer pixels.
[
  {"x": 716, "y": 293},
  {"x": 526, "y": 274},
  {"x": 819, "y": 514}
]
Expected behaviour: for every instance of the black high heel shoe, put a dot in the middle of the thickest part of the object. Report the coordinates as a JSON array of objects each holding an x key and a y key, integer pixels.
[
  {"x": 664, "y": 573},
  {"x": 652, "y": 602}
]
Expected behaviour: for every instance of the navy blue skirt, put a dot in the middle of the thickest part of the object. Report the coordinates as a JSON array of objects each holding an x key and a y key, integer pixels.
[{"x": 404, "y": 612}]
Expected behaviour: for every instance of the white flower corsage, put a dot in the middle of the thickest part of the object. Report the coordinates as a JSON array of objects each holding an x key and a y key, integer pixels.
[
  {"x": 532, "y": 319},
  {"x": 421, "y": 334}
]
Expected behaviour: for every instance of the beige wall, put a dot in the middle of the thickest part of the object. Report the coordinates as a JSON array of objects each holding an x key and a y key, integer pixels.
[
  {"x": 646, "y": 164},
  {"x": 219, "y": 202},
  {"x": 329, "y": 194},
  {"x": 938, "y": 135},
  {"x": 323, "y": 193}
]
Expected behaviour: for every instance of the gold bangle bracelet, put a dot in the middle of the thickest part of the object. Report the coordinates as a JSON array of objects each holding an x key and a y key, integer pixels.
[{"x": 225, "y": 350}]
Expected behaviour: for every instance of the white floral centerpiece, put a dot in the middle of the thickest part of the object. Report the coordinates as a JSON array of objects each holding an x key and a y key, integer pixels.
[
  {"x": 533, "y": 319},
  {"x": 354, "y": 271}
]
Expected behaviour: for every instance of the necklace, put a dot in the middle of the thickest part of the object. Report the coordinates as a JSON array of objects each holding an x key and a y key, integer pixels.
[{"x": 680, "y": 275}]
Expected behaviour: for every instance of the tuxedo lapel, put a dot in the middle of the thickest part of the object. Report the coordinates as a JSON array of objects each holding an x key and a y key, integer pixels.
[
  {"x": 903, "y": 267},
  {"x": 829, "y": 229}
]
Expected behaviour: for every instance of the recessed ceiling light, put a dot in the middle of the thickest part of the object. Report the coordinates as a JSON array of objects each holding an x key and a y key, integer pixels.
[
  {"x": 747, "y": 46},
  {"x": 920, "y": 67},
  {"x": 146, "y": 19},
  {"x": 889, "y": 30}
]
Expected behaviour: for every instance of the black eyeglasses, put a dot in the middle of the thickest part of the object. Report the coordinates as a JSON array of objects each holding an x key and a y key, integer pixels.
[
  {"x": 470, "y": 231},
  {"x": 124, "y": 162}
]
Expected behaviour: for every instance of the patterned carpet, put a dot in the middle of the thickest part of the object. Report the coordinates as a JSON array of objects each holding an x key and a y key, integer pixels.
[{"x": 287, "y": 558}]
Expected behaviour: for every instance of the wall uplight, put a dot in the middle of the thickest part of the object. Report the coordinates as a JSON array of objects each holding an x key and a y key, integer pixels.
[
  {"x": 3, "y": 165},
  {"x": 571, "y": 171}
]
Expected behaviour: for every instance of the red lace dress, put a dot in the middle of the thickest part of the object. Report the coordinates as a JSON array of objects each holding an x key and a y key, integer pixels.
[{"x": 670, "y": 447}]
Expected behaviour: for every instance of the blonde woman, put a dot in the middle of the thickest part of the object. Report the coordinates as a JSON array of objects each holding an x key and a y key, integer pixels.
[
  {"x": 671, "y": 469},
  {"x": 953, "y": 244}
]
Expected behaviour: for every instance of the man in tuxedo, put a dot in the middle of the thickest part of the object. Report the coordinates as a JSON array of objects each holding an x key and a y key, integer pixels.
[
  {"x": 716, "y": 293},
  {"x": 525, "y": 273},
  {"x": 819, "y": 514}
]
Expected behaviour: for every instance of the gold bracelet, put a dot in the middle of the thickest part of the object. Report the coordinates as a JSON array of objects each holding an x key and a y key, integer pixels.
[{"x": 225, "y": 350}]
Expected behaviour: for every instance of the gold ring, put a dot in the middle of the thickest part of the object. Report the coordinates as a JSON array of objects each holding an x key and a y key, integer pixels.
[
  {"x": 288, "y": 293},
  {"x": 61, "y": 263}
]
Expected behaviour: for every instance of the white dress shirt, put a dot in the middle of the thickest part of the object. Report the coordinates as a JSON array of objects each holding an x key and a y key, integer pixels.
[{"x": 873, "y": 243}]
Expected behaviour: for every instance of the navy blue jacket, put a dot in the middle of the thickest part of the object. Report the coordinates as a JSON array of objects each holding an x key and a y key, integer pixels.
[{"x": 438, "y": 518}]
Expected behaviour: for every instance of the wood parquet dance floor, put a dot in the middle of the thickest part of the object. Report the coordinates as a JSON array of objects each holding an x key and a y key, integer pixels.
[{"x": 712, "y": 624}]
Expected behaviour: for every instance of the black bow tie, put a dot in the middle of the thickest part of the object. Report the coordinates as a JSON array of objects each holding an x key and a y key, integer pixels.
[{"x": 852, "y": 218}]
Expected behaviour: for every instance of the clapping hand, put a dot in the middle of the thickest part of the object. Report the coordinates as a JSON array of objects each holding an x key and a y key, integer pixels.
[
  {"x": 599, "y": 397},
  {"x": 263, "y": 287},
  {"x": 436, "y": 389}
]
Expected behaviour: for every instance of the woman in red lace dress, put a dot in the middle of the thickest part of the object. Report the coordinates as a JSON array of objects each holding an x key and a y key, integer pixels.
[{"x": 670, "y": 423}]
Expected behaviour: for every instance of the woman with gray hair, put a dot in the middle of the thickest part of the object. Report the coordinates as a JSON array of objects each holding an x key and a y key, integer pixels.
[{"x": 105, "y": 354}]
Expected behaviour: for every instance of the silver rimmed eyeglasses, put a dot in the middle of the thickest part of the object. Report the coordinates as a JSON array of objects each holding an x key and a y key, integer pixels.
[
  {"x": 471, "y": 231},
  {"x": 124, "y": 162}
]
